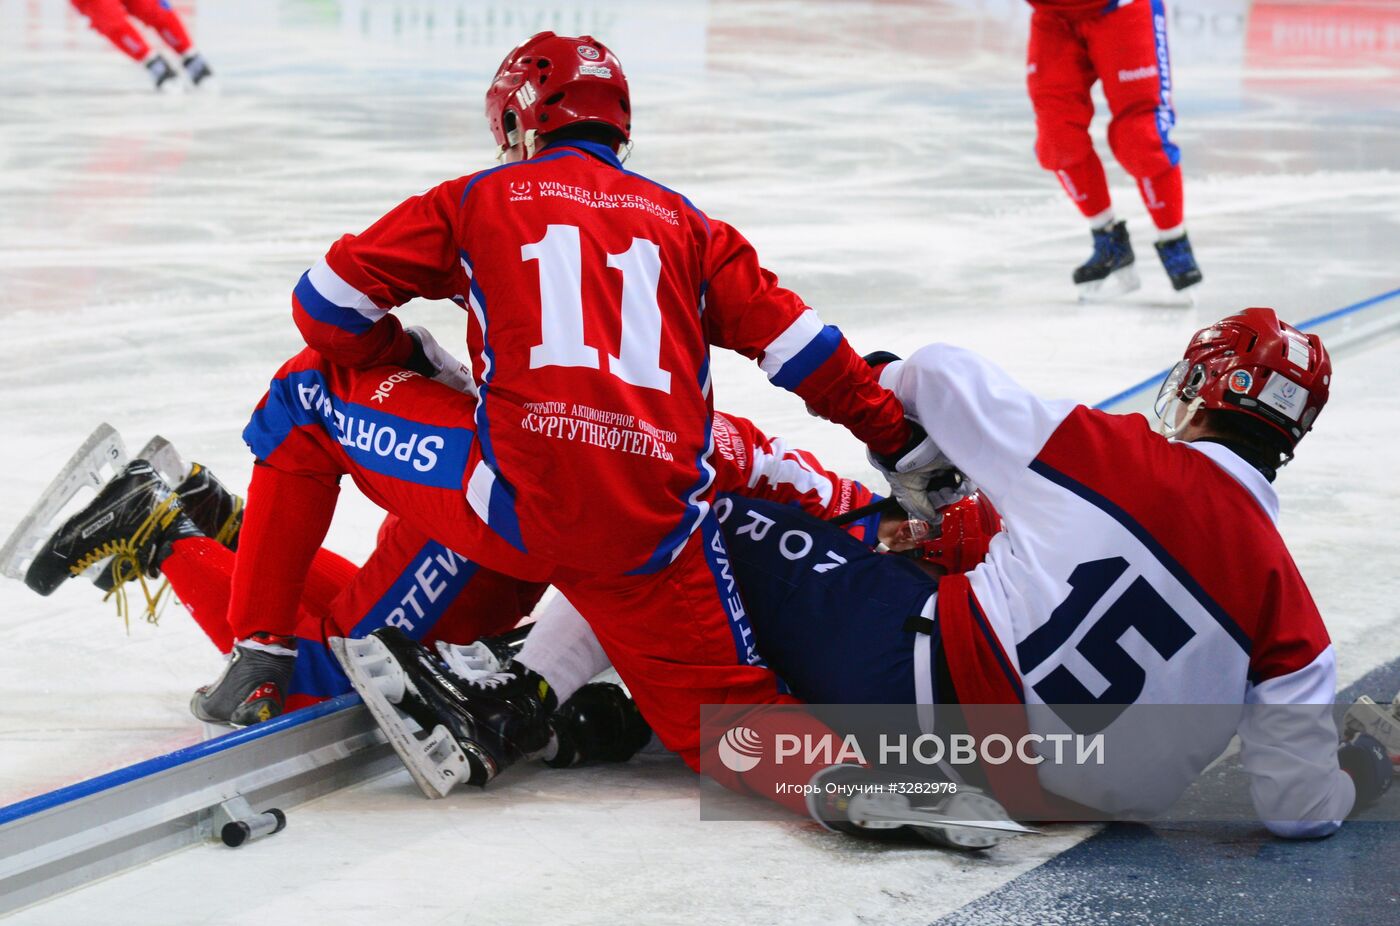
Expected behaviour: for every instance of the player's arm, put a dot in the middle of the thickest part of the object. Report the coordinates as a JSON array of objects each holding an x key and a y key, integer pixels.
[
  {"x": 1288, "y": 745},
  {"x": 342, "y": 304},
  {"x": 747, "y": 311},
  {"x": 989, "y": 426},
  {"x": 750, "y": 463}
]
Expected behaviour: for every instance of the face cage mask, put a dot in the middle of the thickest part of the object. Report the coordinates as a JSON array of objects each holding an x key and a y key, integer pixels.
[{"x": 1184, "y": 381}]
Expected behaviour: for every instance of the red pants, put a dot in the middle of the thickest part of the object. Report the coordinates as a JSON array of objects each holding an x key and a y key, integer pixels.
[
  {"x": 409, "y": 581},
  {"x": 678, "y": 637},
  {"x": 109, "y": 17},
  {"x": 1126, "y": 48}
]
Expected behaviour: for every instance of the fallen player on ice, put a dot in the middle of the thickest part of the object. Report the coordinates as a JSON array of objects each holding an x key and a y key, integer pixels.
[{"x": 835, "y": 635}]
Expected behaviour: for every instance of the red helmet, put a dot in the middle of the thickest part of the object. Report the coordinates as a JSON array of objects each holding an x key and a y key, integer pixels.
[
  {"x": 552, "y": 81},
  {"x": 964, "y": 536},
  {"x": 1257, "y": 365}
]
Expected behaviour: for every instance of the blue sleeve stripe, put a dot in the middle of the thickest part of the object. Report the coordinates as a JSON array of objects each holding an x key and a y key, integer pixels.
[
  {"x": 818, "y": 350},
  {"x": 327, "y": 312}
]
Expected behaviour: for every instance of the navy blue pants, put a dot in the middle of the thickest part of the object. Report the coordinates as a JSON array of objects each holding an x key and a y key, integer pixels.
[{"x": 828, "y": 613}]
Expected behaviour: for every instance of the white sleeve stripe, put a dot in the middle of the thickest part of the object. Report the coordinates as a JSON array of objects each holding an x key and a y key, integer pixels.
[
  {"x": 1315, "y": 683},
  {"x": 338, "y": 292},
  {"x": 790, "y": 343},
  {"x": 782, "y": 467}
]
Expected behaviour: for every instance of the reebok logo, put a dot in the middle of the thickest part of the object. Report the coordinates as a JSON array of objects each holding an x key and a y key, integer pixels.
[{"x": 1126, "y": 77}]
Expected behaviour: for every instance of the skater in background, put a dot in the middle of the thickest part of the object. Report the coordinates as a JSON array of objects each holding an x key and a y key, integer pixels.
[
  {"x": 112, "y": 18},
  {"x": 1122, "y": 43}
]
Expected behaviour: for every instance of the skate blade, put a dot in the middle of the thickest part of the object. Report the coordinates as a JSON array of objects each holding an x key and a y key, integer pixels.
[
  {"x": 1118, "y": 283},
  {"x": 436, "y": 762},
  {"x": 954, "y": 824},
  {"x": 100, "y": 458},
  {"x": 165, "y": 460}
]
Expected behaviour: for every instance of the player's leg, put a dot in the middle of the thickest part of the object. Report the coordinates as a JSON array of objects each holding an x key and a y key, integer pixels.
[
  {"x": 1130, "y": 53},
  {"x": 307, "y": 433},
  {"x": 1059, "y": 76},
  {"x": 417, "y": 585},
  {"x": 680, "y": 639},
  {"x": 161, "y": 16},
  {"x": 109, "y": 18}
]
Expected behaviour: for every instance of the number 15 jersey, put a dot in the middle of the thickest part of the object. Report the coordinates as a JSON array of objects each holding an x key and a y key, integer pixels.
[
  {"x": 593, "y": 295},
  {"x": 1134, "y": 573}
]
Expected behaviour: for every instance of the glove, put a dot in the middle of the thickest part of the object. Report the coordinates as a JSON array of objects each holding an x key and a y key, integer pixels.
[
  {"x": 600, "y": 723},
  {"x": 1366, "y": 760},
  {"x": 431, "y": 359},
  {"x": 921, "y": 478}
]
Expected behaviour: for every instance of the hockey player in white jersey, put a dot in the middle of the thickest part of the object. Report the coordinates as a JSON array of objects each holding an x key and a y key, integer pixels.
[{"x": 1135, "y": 569}]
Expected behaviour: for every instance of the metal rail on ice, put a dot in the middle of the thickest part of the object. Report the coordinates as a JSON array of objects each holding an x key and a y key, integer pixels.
[
  {"x": 69, "y": 837},
  {"x": 66, "y": 838}
]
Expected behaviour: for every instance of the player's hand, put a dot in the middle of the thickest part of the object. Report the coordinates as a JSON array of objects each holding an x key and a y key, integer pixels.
[
  {"x": 432, "y": 360},
  {"x": 921, "y": 478}
]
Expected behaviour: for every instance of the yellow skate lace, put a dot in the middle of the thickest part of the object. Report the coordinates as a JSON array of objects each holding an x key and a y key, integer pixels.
[{"x": 126, "y": 564}]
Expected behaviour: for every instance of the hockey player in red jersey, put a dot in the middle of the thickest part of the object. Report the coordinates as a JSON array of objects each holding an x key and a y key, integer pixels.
[
  {"x": 593, "y": 296},
  {"x": 112, "y": 18},
  {"x": 1122, "y": 43}
]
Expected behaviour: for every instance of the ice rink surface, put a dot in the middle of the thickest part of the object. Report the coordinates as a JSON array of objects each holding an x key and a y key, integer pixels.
[{"x": 879, "y": 156}]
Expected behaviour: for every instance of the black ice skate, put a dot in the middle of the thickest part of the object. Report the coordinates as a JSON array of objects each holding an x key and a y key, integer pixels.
[
  {"x": 161, "y": 73},
  {"x": 197, "y": 69},
  {"x": 444, "y": 727},
  {"x": 253, "y": 686},
  {"x": 1179, "y": 262},
  {"x": 132, "y": 521},
  {"x": 1109, "y": 271},
  {"x": 600, "y": 723},
  {"x": 215, "y": 511}
]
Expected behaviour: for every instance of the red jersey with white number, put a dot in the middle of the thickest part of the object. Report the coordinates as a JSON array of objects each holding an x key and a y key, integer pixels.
[
  {"x": 1133, "y": 570},
  {"x": 593, "y": 296}
]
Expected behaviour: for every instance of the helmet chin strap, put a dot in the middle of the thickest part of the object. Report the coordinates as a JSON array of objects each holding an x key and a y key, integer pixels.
[{"x": 1167, "y": 429}]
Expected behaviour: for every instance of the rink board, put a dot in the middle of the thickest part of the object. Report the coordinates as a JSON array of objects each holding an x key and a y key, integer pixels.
[
  {"x": 69, "y": 837},
  {"x": 72, "y": 836}
]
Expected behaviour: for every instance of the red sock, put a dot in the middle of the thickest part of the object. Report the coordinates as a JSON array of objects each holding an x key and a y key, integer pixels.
[
  {"x": 283, "y": 525},
  {"x": 200, "y": 570},
  {"x": 1086, "y": 185},
  {"x": 1164, "y": 198}
]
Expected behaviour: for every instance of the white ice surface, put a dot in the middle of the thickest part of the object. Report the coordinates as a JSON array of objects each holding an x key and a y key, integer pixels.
[{"x": 879, "y": 156}]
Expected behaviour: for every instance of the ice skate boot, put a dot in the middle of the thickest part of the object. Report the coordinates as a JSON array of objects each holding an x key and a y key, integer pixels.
[
  {"x": 197, "y": 68},
  {"x": 133, "y": 521},
  {"x": 215, "y": 511},
  {"x": 600, "y": 723},
  {"x": 475, "y": 728},
  {"x": 1109, "y": 271},
  {"x": 1180, "y": 263},
  {"x": 253, "y": 686},
  {"x": 161, "y": 73}
]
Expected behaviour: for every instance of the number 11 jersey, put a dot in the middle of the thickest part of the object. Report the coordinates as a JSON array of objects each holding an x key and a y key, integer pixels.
[{"x": 593, "y": 295}]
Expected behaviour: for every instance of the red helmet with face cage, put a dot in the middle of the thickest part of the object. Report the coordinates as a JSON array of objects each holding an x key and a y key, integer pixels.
[
  {"x": 964, "y": 535},
  {"x": 552, "y": 81},
  {"x": 1257, "y": 365}
]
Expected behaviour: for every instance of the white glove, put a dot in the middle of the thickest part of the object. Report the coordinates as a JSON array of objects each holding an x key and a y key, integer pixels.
[
  {"x": 921, "y": 478},
  {"x": 433, "y": 361}
]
